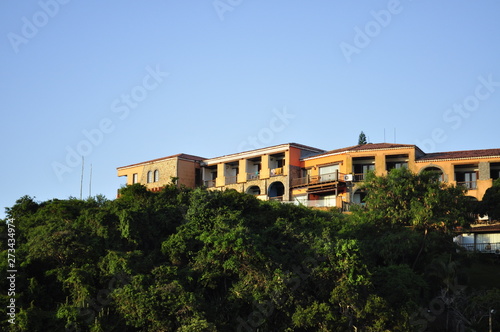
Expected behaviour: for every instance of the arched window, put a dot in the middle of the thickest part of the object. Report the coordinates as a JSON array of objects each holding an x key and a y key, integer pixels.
[
  {"x": 150, "y": 177},
  {"x": 157, "y": 176},
  {"x": 435, "y": 170}
]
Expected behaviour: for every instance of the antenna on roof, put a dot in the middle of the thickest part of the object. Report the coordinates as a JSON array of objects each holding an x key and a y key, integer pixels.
[
  {"x": 384, "y": 135},
  {"x": 394, "y": 135}
]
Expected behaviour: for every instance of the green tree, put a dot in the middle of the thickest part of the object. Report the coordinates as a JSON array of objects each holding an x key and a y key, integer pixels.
[
  {"x": 490, "y": 204},
  {"x": 199, "y": 260},
  {"x": 362, "y": 138}
]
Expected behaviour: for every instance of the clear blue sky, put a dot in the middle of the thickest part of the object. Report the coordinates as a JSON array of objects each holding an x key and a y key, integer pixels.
[{"x": 128, "y": 81}]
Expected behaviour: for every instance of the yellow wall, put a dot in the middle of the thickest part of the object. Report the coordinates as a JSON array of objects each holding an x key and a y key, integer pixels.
[
  {"x": 185, "y": 170},
  {"x": 448, "y": 167},
  {"x": 345, "y": 160}
]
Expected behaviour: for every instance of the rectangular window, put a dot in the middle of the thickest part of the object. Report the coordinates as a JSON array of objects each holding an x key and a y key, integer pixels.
[
  {"x": 393, "y": 165},
  {"x": 494, "y": 170},
  {"x": 134, "y": 178},
  {"x": 328, "y": 173},
  {"x": 466, "y": 179}
]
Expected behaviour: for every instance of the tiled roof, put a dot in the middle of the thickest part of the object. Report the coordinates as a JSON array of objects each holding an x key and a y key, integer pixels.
[
  {"x": 495, "y": 228},
  {"x": 366, "y": 147},
  {"x": 259, "y": 151},
  {"x": 468, "y": 154},
  {"x": 180, "y": 156},
  {"x": 378, "y": 146}
]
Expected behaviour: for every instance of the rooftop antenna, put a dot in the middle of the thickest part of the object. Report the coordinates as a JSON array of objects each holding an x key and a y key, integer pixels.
[
  {"x": 384, "y": 135},
  {"x": 394, "y": 135},
  {"x": 81, "y": 179}
]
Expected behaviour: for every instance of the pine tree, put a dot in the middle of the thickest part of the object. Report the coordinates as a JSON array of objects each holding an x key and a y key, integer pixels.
[{"x": 362, "y": 138}]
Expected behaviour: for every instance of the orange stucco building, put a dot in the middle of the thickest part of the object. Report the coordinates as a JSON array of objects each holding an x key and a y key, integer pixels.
[{"x": 314, "y": 177}]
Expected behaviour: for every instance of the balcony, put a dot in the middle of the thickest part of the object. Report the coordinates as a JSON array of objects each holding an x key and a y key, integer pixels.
[
  {"x": 253, "y": 176},
  {"x": 276, "y": 171},
  {"x": 359, "y": 177},
  {"x": 469, "y": 185},
  {"x": 231, "y": 179},
  {"x": 348, "y": 206},
  {"x": 317, "y": 179},
  {"x": 317, "y": 203},
  {"x": 487, "y": 248},
  {"x": 210, "y": 183}
]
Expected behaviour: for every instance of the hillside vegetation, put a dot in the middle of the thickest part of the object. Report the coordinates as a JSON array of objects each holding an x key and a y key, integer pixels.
[{"x": 197, "y": 260}]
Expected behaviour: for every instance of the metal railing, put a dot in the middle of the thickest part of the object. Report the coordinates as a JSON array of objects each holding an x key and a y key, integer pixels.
[
  {"x": 489, "y": 248},
  {"x": 470, "y": 185},
  {"x": 210, "y": 183},
  {"x": 347, "y": 206},
  {"x": 231, "y": 179},
  {"x": 317, "y": 179},
  {"x": 358, "y": 177},
  {"x": 253, "y": 176},
  {"x": 300, "y": 181},
  {"x": 319, "y": 203}
]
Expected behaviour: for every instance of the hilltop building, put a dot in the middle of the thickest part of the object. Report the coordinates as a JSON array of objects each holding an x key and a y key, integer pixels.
[
  {"x": 315, "y": 177},
  {"x": 299, "y": 174}
]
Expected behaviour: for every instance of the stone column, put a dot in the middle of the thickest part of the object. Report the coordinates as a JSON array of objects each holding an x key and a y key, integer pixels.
[{"x": 484, "y": 171}]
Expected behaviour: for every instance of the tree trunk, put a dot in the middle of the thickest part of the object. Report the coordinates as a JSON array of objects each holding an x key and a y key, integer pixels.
[{"x": 421, "y": 248}]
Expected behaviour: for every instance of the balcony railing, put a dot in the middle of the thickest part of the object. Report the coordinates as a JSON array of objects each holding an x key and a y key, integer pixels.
[
  {"x": 346, "y": 206},
  {"x": 231, "y": 179},
  {"x": 277, "y": 171},
  {"x": 493, "y": 248},
  {"x": 210, "y": 183},
  {"x": 319, "y": 203},
  {"x": 358, "y": 177},
  {"x": 317, "y": 179},
  {"x": 253, "y": 176},
  {"x": 300, "y": 181},
  {"x": 276, "y": 198},
  {"x": 469, "y": 185}
]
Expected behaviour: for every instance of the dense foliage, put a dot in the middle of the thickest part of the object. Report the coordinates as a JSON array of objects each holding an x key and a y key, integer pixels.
[
  {"x": 198, "y": 260},
  {"x": 489, "y": 205}
]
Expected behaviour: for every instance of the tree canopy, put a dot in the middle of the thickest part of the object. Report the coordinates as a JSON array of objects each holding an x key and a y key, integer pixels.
[
  {"x": 362, "y": 138},
  {"x": 199, "y": 260}
]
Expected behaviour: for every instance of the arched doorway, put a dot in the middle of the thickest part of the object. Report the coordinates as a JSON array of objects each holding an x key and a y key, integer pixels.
[
  {"x": 253, "y": 190},
  {"x": 276, "y": 190},
  {"x": 359, "y": 197}
]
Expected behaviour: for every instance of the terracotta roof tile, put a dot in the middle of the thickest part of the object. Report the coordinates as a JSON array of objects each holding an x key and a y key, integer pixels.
[
  {"x": 179, "y": 155},
  {"x": 467, "y": 154},
  {"x": 366, "y": 147}
]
